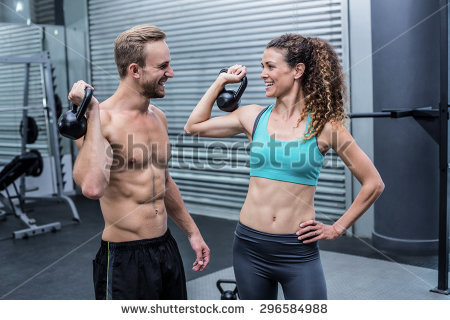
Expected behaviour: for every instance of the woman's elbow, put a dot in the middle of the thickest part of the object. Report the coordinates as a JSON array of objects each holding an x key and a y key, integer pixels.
[
  {"x": 190, "y": 130},
  {"x": 379, "y": 187}
]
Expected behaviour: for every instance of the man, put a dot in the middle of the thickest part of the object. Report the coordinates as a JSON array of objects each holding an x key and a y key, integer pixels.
[{"x": 123, "y": 161}]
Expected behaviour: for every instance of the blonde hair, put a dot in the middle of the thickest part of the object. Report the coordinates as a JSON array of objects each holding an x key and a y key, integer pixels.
[{"x": 129, "y": 46}]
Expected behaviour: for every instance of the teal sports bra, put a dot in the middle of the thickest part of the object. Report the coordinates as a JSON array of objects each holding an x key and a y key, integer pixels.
[{"x": 293, "y": 161}]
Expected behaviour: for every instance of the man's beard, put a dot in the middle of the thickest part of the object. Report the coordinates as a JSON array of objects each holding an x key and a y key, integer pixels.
[{"x": 150, "y": 90}]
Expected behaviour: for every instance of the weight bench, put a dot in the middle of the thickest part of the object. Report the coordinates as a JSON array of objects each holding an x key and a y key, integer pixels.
[{"x": 30, "y": 164}]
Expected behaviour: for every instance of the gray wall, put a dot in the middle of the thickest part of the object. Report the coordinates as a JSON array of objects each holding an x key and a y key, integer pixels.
[
  {"x": 78, "y": 58},
  {"x": 9, "y": 14},
  {"x": 406, "y": 74},
  {"x": 76, "y": 23}
]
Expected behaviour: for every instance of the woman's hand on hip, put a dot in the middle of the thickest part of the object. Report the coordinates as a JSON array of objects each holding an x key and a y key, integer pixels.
[{"x": 313, "y": 230}]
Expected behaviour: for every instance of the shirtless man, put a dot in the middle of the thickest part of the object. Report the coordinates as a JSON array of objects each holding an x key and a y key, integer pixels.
[{"x": 123, "y": 161}]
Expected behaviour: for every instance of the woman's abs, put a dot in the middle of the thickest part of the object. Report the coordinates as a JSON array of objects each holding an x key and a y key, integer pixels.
[{"x": 277, "y": 207}]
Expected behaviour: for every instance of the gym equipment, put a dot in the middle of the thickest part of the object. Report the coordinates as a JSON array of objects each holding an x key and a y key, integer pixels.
[
  {"x": 227, "y": 294},
  {"x": 435, "y": 123},
  {"x": 28, "y": 164},
  {"x": 35, "y": 169},
  {"x": 228, "y": 100},
  {"x": 72, "y": 124},
  {"x": 31, "y": 159},
  {"x": 58, "y": 106},
  {"x": 32, "y": 130}
]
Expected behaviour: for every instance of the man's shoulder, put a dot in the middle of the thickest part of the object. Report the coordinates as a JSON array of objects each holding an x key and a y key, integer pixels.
[
  {"x": 105, "y": 118},
  {"x": 158, "y": 112},
  {"x": 105, "y": 112}
]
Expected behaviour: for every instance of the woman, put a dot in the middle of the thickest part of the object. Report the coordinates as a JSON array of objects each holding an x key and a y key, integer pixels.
[{"x": 276, "y": 237}]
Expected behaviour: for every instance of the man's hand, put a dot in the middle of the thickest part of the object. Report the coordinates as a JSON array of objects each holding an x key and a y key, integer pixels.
[
  {"x": 201, "y": 250},
  {"x": 77, "y": 93}
]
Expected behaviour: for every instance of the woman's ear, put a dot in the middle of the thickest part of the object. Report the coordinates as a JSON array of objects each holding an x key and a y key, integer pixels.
[
  {"x": 134, "y": 70},
  {"x": 299, "y": 70}
]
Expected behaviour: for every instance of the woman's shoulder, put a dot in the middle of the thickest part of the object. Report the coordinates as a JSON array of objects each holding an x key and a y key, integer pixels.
[
  {"x": 252, "y": 107},
  {"x": 250, "y": 110},
  {"x": 333, "y": 125},
  {"x": 247, "y": 116},
  {"x": 334, "y": 132}
]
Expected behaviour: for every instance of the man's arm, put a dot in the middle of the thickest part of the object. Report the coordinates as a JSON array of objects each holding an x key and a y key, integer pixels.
[
  {"x": 177, "y": 211},
  {"x": 91, "y": 168}
]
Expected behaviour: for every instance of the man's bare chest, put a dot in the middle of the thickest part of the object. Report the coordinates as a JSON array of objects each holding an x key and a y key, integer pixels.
[{"x": 139, "y": 147}]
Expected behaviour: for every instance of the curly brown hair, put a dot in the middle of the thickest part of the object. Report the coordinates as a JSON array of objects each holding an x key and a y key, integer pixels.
[{"x": 323, "y": 81}]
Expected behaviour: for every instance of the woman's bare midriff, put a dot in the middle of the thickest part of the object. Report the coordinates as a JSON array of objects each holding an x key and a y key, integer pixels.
[{"x": 277, "y": 207}]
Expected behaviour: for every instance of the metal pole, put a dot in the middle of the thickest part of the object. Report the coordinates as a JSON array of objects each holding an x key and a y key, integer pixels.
[
  {"x": 52, "y": 126},
  {"x": 443, "y": 156},
  {"x": 25, "y": 110},
  {"x": 370, "y": 115},
  {"x": 54, "y": 138},
  {"x": 24, "y": 126}
]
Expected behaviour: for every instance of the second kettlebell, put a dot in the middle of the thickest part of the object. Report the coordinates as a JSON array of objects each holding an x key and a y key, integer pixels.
[
  {"x": 228, "y": 100},
  {"x": 227, "y": 294}
]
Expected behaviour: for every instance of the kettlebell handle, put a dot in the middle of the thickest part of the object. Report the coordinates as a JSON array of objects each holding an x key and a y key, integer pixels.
[
  {"x": 81, "y": 110},
  {"x": 242, "y": 87},
  {"x": 219, "y": 282}
]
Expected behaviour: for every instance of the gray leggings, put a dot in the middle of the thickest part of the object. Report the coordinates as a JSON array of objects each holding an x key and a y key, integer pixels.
[{"x": 261, "y": 260}]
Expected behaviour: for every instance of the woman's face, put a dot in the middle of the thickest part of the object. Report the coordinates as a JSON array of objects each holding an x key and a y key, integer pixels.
[{"x": 277, "y": 74}]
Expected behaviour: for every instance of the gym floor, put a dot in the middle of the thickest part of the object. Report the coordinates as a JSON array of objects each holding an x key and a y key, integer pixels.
[{"x": 58, "y": 265}]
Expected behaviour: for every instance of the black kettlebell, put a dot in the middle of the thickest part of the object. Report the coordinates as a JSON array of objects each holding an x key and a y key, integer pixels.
[
  {"x": 227, "y": 294},
  {"x": 228, "y": 100},
  {"x": 72, "y": 124}
]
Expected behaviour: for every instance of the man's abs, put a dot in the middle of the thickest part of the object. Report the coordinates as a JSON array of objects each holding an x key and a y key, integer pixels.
[{"x": 133, "y": 205}]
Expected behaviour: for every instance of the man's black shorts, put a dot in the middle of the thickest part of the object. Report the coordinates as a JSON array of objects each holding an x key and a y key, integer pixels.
[{"x": 136, "y": 270}]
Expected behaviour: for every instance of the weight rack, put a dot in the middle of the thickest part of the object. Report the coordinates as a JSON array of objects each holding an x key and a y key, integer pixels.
[{"x": 49, "y": 106}]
